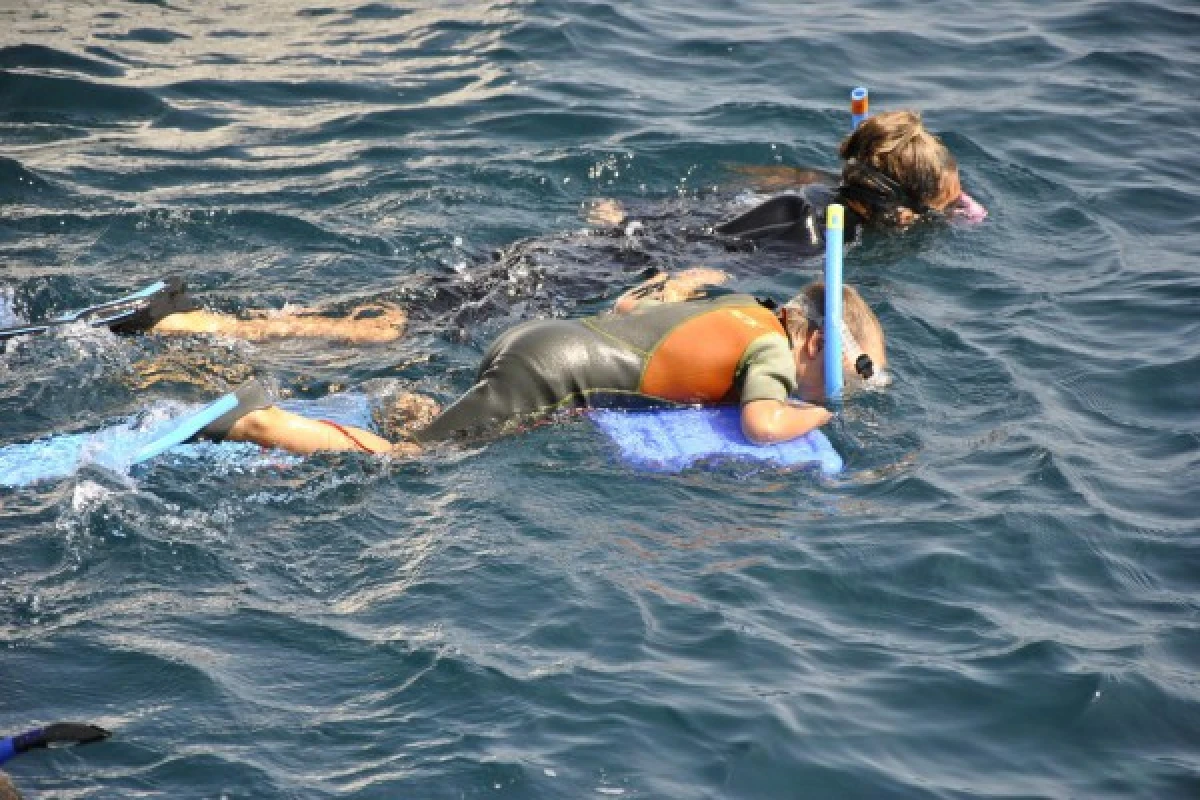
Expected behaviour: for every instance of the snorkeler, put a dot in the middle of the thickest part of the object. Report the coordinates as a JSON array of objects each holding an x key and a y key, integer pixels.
[
  {"x": 895, "y": 172},
  {"x": 727, "y": 349},
  {"x": 60, "y": 733}
]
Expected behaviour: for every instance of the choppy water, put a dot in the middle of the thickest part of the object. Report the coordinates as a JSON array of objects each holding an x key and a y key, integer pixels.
[{"x": 998, "y": 599}]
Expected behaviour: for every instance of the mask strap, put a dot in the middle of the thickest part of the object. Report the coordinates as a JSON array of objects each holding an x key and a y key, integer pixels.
[{"x": 864, "y": 183}]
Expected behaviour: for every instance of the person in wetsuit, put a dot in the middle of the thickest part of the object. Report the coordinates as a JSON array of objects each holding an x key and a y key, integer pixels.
[
  {"x": 894, "y": 173},
  {"x": 727, "y": 349}
]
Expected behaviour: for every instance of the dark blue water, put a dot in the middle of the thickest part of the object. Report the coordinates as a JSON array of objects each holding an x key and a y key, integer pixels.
[{"x": 998, "y": 599}]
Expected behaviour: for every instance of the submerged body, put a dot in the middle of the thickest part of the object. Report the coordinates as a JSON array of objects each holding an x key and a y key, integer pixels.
[
  {"x": 894, "y": 173},
  {"x": 707, "y": 351}
]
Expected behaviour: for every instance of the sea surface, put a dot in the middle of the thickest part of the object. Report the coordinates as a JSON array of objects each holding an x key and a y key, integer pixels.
[{"x": 999, "y": 597}]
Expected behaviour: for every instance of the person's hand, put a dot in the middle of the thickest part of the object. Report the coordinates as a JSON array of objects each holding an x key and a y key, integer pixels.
[
  {"x": 605, "y": 213},
  {"x": 685, "y": 284},
  {"x": 771, "y": 421}
]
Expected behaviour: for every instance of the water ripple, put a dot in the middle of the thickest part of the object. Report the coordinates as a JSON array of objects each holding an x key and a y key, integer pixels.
[{"x": 997, "y": 599}]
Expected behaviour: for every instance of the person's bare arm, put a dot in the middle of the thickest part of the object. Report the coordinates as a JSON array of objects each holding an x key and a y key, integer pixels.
[
  {"x": 771, "y": 421},
  {"x": 276, "y": 428},
  {"x": 371, "y": 324},
  {"x": 666, "y": 288}
]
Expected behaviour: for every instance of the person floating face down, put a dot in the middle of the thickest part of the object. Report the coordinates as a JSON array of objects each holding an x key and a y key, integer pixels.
[
  {"x": 894, "y": 172},
  {"x": 724, "y": 350}
]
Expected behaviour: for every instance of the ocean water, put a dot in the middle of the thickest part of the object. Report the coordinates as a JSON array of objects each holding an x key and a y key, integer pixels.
[{"x": 998, "y": 598}]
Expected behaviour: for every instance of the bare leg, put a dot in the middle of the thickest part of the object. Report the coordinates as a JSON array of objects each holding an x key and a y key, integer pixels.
[
  {"x": 386, "y": 326},
  {"x": 274, "y": 427}
]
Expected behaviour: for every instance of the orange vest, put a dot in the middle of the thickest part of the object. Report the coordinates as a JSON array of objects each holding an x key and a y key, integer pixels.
[{"x": 697, "y": 360}]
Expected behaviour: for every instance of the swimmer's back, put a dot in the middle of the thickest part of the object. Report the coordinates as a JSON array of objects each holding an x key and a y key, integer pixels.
[
  {"x": 674, "y": 353},
  {"x": 533, "y": 369}
]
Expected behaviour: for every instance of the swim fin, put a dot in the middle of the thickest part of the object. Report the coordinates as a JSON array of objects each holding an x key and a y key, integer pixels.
[
  {"x": 251, "y": 396},
  {"x": 132, "y": 313},
  {"x": 212, "y": 422},
  {"x": 57, "y": 734}
]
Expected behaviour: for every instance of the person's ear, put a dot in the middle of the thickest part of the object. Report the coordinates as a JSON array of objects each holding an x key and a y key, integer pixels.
[
  {"x": 905, "y": 216},
  {"x": 814, "y": 342}
]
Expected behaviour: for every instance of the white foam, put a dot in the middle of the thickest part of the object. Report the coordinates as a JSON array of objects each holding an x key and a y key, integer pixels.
[{"x": 8, "y": 315}]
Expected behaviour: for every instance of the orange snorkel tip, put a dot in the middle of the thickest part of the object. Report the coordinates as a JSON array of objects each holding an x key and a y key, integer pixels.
[{"x": 858, "y": 107}]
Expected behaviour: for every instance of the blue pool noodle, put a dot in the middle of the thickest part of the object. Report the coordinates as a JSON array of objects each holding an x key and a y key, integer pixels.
[{"x": 834, "y": 231}]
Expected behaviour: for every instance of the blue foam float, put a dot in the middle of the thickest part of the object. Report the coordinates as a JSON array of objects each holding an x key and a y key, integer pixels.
[{"x": 672, "y": 440}]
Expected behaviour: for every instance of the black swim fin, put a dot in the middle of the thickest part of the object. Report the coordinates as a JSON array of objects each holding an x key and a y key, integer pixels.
[
  {"x": 251, "y": 396},
  {"x": 133, "y": 313},
  {"x": 59, "y": 733}
]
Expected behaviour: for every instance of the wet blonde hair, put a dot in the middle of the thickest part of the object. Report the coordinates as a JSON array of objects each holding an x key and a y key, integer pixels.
[
  {"x": 859, "y": 318},
  {"x": 897, "y": 144}
]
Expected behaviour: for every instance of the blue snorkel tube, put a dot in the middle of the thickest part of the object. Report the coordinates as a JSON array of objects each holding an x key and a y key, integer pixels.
[
  {"x": 835, "y": 223},
  {"x": 835, "y": 227}
]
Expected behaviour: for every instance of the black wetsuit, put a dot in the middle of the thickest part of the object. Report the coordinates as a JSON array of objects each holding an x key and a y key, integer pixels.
[
  {"x": 726, "y": 349},
  {"x": 796, "y": 217}
]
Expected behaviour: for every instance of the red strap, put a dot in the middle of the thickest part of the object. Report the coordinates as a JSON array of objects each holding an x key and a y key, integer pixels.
[{"x": 348, "y": 435}]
